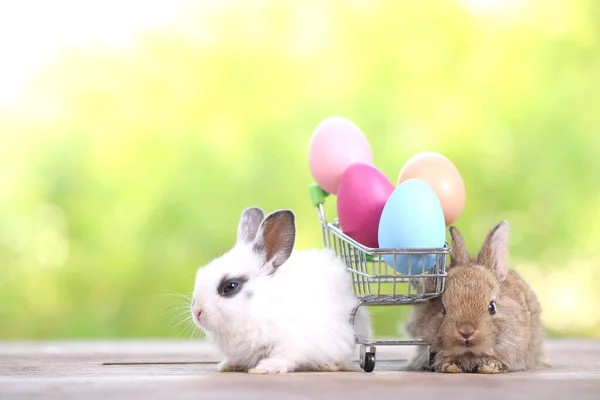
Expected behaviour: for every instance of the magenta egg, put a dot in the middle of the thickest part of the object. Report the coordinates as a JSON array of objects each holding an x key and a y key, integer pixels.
[{"x": 362, "y": 194}]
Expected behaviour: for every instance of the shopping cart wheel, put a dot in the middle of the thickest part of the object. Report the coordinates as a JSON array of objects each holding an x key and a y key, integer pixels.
[{"x": 369, "y": 363}]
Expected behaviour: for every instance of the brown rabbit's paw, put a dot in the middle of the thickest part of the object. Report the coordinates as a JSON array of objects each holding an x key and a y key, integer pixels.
[
  {"x": 490, "y": 367},
  {"x": 545, "y": 364},
  {"x": 449, "y": 367}
]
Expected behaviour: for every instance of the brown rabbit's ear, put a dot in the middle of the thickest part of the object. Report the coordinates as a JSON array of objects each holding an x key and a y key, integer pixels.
[
  {"x": 494, "y": 252},
  {"x": 275, "y": 239},
  {"x": 249, "y": 223},
  {"x": 459, "y": 255}
]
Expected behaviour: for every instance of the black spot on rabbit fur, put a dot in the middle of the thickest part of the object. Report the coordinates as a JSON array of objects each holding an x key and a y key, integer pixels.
[
  {"x": 432, "y": 356},
  {"x": 258, "y": 248}
]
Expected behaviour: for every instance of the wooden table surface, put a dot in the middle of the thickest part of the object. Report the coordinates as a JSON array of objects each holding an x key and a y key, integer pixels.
[{"x": 174, "y": 370}]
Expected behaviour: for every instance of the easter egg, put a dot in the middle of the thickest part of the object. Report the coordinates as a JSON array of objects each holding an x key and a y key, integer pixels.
[
  {"x": 412, "y": 218},
  {"x": 362, "y": 193},
  {"x": 442, "y": 176},
  {"x": 335, "y": 144}
]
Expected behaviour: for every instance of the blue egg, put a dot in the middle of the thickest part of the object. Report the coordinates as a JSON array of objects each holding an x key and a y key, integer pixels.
[{"x": 412, "y": 218}]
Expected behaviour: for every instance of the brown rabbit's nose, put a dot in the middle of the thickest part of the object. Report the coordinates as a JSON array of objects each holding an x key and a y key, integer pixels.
[{"x": 466, "y": 332}]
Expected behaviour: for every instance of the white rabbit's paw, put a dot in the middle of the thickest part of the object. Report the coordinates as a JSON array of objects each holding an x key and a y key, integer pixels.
[
  {"x": 271, "y": 366},
  {"x": 226, "y": 366},
  {"x": 333, "y": 367}
]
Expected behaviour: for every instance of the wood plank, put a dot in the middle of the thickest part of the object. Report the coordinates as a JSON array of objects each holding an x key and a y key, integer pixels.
[{"x": 171, "y": 369}]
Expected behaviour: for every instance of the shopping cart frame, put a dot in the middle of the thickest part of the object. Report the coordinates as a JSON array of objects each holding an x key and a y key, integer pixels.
[{"x": 371, "y": 276}]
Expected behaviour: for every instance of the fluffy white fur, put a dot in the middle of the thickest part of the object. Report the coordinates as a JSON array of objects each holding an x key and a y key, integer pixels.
[{"x": 290, "y": 318}]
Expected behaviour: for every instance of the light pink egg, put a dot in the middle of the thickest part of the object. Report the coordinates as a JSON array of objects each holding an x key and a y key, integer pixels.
[
  {"x": 362, "y": 194},
  {"x": 335, "y": 144}
]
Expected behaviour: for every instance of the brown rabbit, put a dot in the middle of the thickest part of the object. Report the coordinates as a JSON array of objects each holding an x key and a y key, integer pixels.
[{"x": 487, "y": 320}]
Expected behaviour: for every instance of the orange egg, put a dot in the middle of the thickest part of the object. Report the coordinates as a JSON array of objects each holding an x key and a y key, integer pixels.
[{"x": 444, "y": 179}]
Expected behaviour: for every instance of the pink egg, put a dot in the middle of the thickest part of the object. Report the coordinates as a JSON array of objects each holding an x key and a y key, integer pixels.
[
  {"x": 362, "y": 194},
  {"x": 335, "y": 144}
]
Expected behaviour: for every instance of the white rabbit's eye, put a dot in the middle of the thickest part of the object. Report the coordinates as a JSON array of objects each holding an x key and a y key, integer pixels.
[
  {"x": 228, "y": 287},
  {"x": 492, "y": 307}
]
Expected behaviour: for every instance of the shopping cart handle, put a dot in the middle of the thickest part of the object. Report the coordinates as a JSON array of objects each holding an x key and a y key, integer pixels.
[{"x": 317, "y": 195}]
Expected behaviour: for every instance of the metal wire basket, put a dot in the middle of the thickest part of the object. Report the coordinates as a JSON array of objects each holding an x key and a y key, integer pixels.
[{"x": 378, "y": 284}]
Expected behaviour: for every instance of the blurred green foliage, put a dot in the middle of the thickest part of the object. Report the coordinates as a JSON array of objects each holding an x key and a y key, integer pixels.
[{"x": 123, "y": 170}]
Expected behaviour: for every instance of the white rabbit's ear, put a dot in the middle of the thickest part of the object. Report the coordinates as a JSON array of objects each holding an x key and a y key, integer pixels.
[
  {"x": 275, "y": 239},
  {"x": 249, "y": 224},
  {"x": 494, "y": 252}
]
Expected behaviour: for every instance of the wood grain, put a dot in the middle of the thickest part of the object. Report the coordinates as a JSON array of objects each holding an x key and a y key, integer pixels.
[{"x": 166, "y": 369}]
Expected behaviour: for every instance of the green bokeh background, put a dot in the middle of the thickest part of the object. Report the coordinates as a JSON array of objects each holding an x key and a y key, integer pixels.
[{"x": 123, "y": 170}]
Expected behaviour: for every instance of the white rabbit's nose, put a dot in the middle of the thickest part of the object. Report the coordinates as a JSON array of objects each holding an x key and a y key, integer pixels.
[{"x": 196, "y": 312}]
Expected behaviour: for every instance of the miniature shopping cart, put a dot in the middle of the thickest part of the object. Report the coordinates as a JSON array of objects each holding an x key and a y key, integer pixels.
[{"x": 376, "y": 283}]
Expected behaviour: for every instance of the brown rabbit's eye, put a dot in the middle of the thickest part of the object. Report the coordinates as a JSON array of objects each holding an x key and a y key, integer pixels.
[{"x": 492, "y": 307}]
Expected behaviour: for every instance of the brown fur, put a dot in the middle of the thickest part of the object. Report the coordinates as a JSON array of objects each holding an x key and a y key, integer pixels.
[{"x": 509, "y": 340}]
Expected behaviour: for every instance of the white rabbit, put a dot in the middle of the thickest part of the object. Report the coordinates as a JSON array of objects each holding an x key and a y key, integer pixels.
[{"x": 270, "y": 309}]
